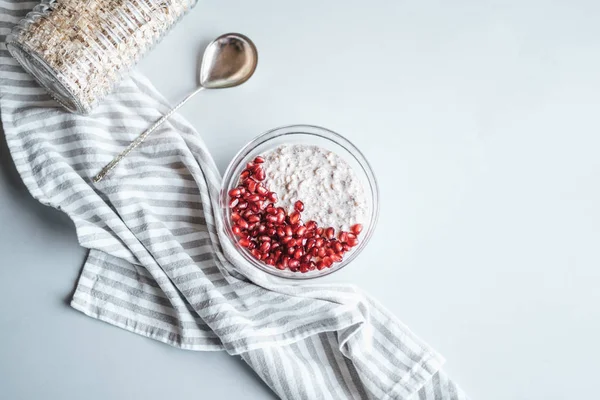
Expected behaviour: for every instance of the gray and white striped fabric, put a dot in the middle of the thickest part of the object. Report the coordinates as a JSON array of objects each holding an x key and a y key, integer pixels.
[{"x": 157, "y": 265}]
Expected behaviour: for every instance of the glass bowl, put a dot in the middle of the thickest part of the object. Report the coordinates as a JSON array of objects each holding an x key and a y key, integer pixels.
[{"x": 309, "y": 135}]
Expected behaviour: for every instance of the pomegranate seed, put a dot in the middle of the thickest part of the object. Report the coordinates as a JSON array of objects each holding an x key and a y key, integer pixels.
[
  {"x": 271, "y": 210},
  {"x": 295, "y": 217},
  {"x": 320, "y": 231},
  {"x": 299, "y": 206},
  {"x": 264, "y": 238},
  {"x": 313, "y": 266},
  {"x": 254, "y": 218},
  {"x": 305, "y": 258},
  {"x": 311, "y": 243},
  {"x": 259, "y": 160},
  {"x": 275, "y": 245},
  {"x": 280, "y": 218},
  {"x": 252, "y": 245},
  {"x": 356, "y": 229},
  {"x": 242, "y": 224},
  {"x": 289, "y": 231},
  {"x": 259, "y": 174},
  {"x": 270, "y": 261},
  {"x": 304, "y": 268},
  {"x": 280, "y": 266},
  {"x": 294, "y": 264},
  {"x": 271, "y": 218},
  {"x": 252, "y": 186},
  {"x": 242, "y": 205},
  {"x": 314, "y": 251},
  {"x": 262, "y": 228},
  {"x": 329, "y": 233},
  {"x": 246, "y": 214},
  {"x": 285, "y": 261},
  {"x": 271, "y": 232},
  {"x": 235, "y": 216},
  {"x": 338, "y": 247},
  {"x": 343, "y": 236},
  {"x": 319, "y": 242},
  {"x": 280, "y": 232},
  {"x": 321, "y": 253},
  {"x": 272, "y": 197},
  {"x": 298, "y": 254},
  {"x": 291, "y": 250},
  {"x": 352, "y": 242},
  {"x": 244, "y": 242},
  {"x": 327, "y": 261},
  {"x": 311, "y": 225},
  {"x": 252, "y": 226},
  {"x": 235, "y": 192},
  {"x": 250, "y": 166},
  {"x": 244, "y": 174},
  {"x": 253, "y": 198},
  {"x": 293, "y": 242},
  {"x": 346, "y": 247},
  {"x": 336, "y": 257},
  {"x": 330, "y": 252},
  {"x": 260, "y": 189},
  {"x": 237, "y": 231},
  {"x": 300, "y": 231},
  {"x": 286, "y": 240},
  {"x": 260, "y": 204},
  {"x": 265, "y": 247},
  {"x": 234, "y": 202},
  {"x": 320, "y": 265}
]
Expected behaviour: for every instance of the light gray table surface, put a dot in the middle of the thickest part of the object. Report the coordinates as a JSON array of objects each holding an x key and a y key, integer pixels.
[{"x": 481, "y": 120}]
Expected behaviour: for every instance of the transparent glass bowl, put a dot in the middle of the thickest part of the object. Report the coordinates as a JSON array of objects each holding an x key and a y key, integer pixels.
[{"x": 310, "y": 135}]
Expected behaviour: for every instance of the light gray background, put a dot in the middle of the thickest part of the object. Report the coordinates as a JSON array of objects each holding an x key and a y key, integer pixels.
[{"x": 481, "y": 120}]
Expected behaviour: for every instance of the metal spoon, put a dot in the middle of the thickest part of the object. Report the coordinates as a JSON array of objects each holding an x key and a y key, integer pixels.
[{"x": 228, "y": 61}]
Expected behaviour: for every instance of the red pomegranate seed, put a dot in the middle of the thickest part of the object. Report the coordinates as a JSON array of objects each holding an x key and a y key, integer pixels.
[
  {"x": 237, "y": 231},
  {"x": 298, "y": 254},
  {"x": 294, "y": 264},
  {"x": 235, "y": 216},
  {"x": 259, "y": 174},
  {"x": 343, "y": 236},
  {"x": 280, "y": 218},
  {"x": 327, "y": 261},
  {"x": 250, "y": 166},
  {"x": 356, "y": 229},
  {"x": 338, "y": 247},
  {"x": 352, "y": 242},
  {"x": 299, "y": 206},
  {"x": 305, "y": 258},
  {"x": 304, "y": 268},
  {"x": 246, "y": 214},
  {"x": 310, "y": 243},
  {"x": 244, "y": 242},
  {"x": 252, "y": 186},
  {"x": 270, "y": 261},
  {"x": 260, "y": 204},
  {"x": 253, "y": 226},
  {"x": 320, "y": 265},
  {"x": 322, "y": 252},
  {"x": 286, "y": 240},
  {"x": 234, "y": 202},
  {"x": 264, "y": 238},
  {"x": 235, "y": 192},
  {"x": 330, "y": 252},
  {"x": 294, "y": 217},
  {"x": 253, "y": 198},
  {"x": 285, "y": 261},
  {"x": 300, "y": 231},
  {"x": 272, "y": 197},
  {"x": 280, "y": 266},
  {"x": 242, "y": 224},
  {"x": 346, "y": 247},
  {"x": 280, "y": 232},
  {"x": 256, "y": 253},
  {"x": 262, "y": 228},
  {"x": 254, "y": 218},
  {"x": 260, "y": 189},
  {"x": 320, "y": 231},
  {"x": 271, "y": 232},
  {"x": 336, "y": 257},
  {"x": 293, "y": 242},
  {"x": 271, "y": 210},
  {"x": 329, "y": 233},
  {"x": 289, "y": 231},
  {"x": 272, "y": 219},
  {"x": 311, "y": 225},
  {"x": 244, "y": 174},
  {"x": 291, "y": 250},
  {"x": 275, "y": 245},
  {"x": 259, "y": 160},
  {"x": 319, "y": 242},
  {"x": 265, "y": 247},
  {"x": 242, "y": 205},
  {"x": 314, "y": 251}
]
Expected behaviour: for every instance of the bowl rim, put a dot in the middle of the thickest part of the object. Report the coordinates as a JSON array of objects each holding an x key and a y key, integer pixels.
[{"x": 339, "y": 140}]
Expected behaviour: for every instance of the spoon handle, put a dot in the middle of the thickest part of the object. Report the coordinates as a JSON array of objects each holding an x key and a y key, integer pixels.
[{"x": 111, "y": 165}]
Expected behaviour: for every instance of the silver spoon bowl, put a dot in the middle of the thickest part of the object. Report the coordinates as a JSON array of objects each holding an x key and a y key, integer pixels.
[{"x": 228, "y": 61}]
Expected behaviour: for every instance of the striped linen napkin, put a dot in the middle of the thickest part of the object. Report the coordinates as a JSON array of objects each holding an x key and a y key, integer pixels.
[{"x": 158, "y": 266}]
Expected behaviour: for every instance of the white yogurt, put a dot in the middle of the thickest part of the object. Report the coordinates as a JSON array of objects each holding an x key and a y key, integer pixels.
[{"x": 331, "y": 192}]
